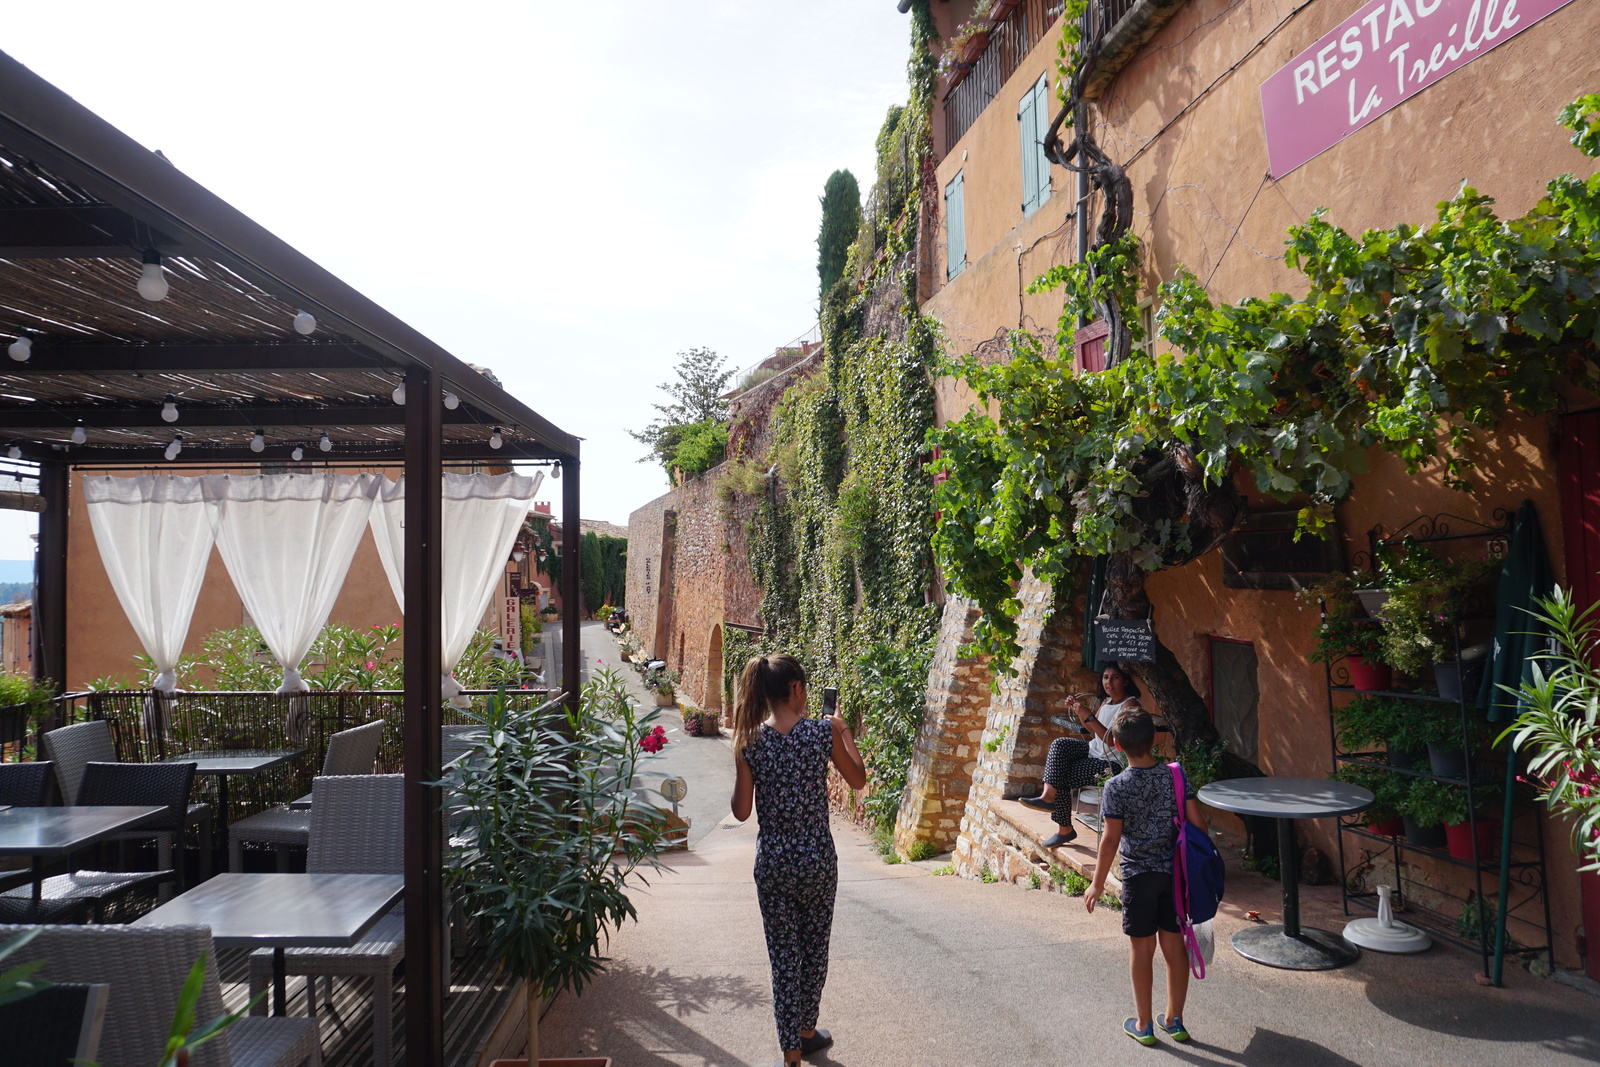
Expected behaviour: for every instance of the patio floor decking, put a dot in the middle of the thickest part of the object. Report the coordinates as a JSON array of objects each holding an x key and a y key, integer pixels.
[{"x": 478, "y": 996}]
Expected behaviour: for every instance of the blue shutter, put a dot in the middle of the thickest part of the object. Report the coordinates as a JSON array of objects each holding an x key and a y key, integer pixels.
[
  {"x": 955, "y": 218},
  {"x": 1027, "y": 127},
  {"x": 1041, "y": 119}
]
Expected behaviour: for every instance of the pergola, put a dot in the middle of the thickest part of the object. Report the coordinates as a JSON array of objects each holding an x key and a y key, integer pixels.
[{"x": 82, "y": 209}]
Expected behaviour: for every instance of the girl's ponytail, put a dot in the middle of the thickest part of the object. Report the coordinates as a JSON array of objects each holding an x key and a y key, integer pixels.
[{"x": 764, "y": 681}]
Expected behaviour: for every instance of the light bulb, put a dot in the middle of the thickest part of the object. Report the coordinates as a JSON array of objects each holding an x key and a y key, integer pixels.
[
  {"x": 176, "y": 446},
  {"x": 451, "y": 401},
  {"x": 495, "y": 440},
  {"x": 325, "y": 444},
  {"x": 152, "y": 280},
  {"x": 518, "y": 555},
  {"x": 21, "y": 349},
  {"x": 169, "y": 411},
  {"x": 399, "y": 394},
  {"x": 555, "y": 471},
  {"x": 258, "y": 443},
  {"x": 14, "y": 452},
  {"x": 305, "y": 323},
  {"x": 78, "y": 436},
  {"x": 298, "y": 454}
]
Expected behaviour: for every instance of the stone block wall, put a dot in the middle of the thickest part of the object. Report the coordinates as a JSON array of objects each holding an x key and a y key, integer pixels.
[
  {"x": 1047, "y": 671},
  {"x": 949, "y": 740}
]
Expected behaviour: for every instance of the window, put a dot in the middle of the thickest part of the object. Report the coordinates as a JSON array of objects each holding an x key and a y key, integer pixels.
[
  {"x": 1234, "y": 696},
  {"x": 1147, "y": 321},
  {"x": 1090, "y": 341},
  {"x": 1033, "y": 122},
  {"x": 955, "y": 221}
]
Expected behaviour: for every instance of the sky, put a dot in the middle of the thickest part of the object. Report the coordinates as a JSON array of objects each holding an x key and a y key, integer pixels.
[{"x": 568, "y": 193}]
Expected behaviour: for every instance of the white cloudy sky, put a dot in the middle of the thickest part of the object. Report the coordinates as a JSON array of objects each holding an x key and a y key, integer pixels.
[{"x": 567, "y": 192}]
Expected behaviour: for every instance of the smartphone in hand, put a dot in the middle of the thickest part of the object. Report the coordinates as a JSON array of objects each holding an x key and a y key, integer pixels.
[{"x": 830, "y": 700}]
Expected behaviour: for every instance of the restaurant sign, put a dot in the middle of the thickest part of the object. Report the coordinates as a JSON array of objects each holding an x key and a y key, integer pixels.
[{"x": 1379, "y": 57}]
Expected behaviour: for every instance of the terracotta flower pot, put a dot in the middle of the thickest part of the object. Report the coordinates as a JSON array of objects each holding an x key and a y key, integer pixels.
[
  {"x": 1458, "y": 837},
  {"x": 1387, "y": 828},
  {"x": 1369, "y": 676}
]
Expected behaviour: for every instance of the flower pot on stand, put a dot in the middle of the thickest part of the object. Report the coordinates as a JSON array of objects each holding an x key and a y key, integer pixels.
[
  {"x": 1373, "y": 600},
  {"x": 1403, "y": 757},
  {"x": 1458, "y": 838},
  {"x": 1418, "y": 836},
  {"x": 1387, "y": 828},
  {"x": 1369, "y": 675},
  {"x": 1447, "y": 761}
]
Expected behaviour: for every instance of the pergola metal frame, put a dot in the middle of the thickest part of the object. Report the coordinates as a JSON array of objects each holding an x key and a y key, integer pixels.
[{"x": 121, "y": 196}]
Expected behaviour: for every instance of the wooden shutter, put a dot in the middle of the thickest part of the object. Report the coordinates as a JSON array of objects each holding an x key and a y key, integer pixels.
[
  {"x": 955, "y": 218},
  {"x": 1041, "y": 125},
  {"x": 1027, "y": 132}
]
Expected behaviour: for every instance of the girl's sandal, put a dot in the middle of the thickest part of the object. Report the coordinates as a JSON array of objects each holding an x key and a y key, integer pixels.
[
  {"x": 1173, "y": 1027},
  {"x": 1146, "y": 1037}
]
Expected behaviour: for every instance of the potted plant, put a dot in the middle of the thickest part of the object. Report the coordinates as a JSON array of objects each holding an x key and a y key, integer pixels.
[
  {"x": 1427, "y": 806},
  {"x": 1426, "y": 596},
  {"x": 1459, "y": 828},
  {"x": 1389, "y": 793},
  {"x": 691, "y": 721},
  {"x": 1342, "y": 634},
  {"x": 546, "y": 798},
  {"x": 663, "y": 682},
  {"x": 710, "y": 722}
]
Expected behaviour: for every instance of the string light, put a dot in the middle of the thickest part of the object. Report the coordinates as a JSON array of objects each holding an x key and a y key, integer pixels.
[
  {"x": 495, "y": 440},
  {"x": 298, "y": 454},
  {"x": 555, "y": 469},
  {"x": 78, "y": 434},
  {"x": 399, "y": 394},
  {"x": 451, "y": 401},
  {"x": 169, "y": 410},
  {"x": 15, "y": 452},
  {"x": 21, "y": 348},
  {"x": 258, "y": 443},
  {"x": 152, "y": 279},
  {"x": 305, "y": 323},
  {"x": 325, "y": 444},
  {"x": 175, "y": 447}
]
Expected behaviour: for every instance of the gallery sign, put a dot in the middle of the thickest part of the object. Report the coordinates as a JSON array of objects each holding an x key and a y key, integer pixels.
[{"x": 1379, "y": 57}]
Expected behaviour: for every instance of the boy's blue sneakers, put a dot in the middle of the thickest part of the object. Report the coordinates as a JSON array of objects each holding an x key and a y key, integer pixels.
[
  {"x": 1147, "y": 1036},
  {"x": 1173, "y": 1027}
]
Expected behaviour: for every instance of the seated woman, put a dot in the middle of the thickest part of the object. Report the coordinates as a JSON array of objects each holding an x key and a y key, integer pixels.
[{"x": 1074, "y": 762}]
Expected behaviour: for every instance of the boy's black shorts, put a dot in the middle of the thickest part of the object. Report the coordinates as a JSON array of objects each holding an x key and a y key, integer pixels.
[{"x": 1147, "y": 904}]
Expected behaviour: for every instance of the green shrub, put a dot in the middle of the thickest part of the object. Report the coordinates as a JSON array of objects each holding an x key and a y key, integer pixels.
[
  {"x": 1110, "y": 901},
  {"x": 1033, "y": 880},
  {"x": 986, "y": 874},
  {"x": 702, "y": 446},
  {"x": 1069, "y": 881},
  {"x": 921, "y": 850},
  {"x": 894, "y": 688},
  {"x": 948, "y": 868}
]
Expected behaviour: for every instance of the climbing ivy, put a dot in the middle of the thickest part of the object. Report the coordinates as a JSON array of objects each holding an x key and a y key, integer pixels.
[
  {"x": 1414, "y": 339},
  {"x": 840, "y": 546}
]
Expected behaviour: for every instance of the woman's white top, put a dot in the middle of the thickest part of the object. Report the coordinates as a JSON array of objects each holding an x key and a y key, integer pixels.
[{"x": 1101, "y": 747}]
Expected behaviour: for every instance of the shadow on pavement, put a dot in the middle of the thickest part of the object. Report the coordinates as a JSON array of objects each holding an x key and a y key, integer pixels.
[
  {"x": 644, "y": 1017},
  {"x": 1507, "y": 1014}
]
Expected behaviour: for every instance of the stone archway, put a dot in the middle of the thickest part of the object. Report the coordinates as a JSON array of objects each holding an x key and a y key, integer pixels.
[{"x": 713, "y": 695}]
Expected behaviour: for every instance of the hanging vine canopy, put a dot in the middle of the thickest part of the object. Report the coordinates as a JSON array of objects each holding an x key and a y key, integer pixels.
[{"x": 1412, "y": 339}]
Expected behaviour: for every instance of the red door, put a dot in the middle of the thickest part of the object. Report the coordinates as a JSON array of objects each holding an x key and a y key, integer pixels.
[{"x": 1580, "y": 519}]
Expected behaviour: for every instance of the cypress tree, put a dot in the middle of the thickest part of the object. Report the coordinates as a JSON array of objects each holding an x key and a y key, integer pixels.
[{"x": 841, "y": 220}]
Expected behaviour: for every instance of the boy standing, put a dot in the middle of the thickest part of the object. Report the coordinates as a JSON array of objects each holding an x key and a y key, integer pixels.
[{"x": 1139, "y": 806}]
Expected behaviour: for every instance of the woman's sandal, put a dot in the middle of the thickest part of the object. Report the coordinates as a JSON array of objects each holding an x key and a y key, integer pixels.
[
  {"x": 1038, "y": 803},
  {"x": 1057, "y": 840},
  {"x": 816, "y": 1043}
]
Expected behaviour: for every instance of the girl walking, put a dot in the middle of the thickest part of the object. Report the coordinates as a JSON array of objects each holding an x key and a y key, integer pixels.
[{"x": 781, "y": 764}]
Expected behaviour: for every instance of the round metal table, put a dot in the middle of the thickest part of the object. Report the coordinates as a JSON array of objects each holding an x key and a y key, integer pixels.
[{"x": 1290, "y": 945}]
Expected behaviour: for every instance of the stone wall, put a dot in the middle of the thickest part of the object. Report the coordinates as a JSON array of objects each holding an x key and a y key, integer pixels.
[{"x": 949, "y": 740}]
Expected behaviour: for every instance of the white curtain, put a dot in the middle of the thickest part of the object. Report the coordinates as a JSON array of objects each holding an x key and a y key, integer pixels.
[
  {"x": 155, "y": 534},
  {"x": 287, "y": 540},
  {"x": 482, "y": 515}
]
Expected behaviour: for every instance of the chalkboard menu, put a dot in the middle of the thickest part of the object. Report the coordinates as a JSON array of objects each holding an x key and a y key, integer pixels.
[{"x": 1124, "y": 640}]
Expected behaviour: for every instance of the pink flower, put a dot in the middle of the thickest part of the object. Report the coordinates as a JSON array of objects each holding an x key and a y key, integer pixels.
[
  {"x": 371, "y": 665},
  {"x": 653, "y": 742}
]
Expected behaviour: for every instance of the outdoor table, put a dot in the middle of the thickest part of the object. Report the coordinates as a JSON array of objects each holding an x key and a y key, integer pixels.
[
  {"x": 46, "y": 833},
  {"x": 1290, "y": 945},
  {"x": 280, "y": 911},
  {"x": 223, "y": 762}
]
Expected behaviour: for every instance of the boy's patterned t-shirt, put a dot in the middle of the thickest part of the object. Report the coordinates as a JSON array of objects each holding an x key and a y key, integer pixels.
[{"x": 1142, "y": 798}]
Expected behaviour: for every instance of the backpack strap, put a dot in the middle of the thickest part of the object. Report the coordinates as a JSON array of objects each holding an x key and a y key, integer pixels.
[{"x": 1180, "y": 857}]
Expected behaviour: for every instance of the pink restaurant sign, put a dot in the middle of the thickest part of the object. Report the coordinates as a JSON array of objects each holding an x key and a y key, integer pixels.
[{"x": 1379, "y": 57}]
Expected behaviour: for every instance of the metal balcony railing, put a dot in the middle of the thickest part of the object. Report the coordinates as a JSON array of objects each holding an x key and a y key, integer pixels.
[{"x": 1008, "y": 43}]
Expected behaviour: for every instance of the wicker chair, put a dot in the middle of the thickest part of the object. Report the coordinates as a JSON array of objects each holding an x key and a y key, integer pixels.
[
  {"x": 72, "y": 748},
  {"x": 146, "y": 967},
  {"x": 357, "y": 827},
  {"x": 164, "y": 784},
  {"x": 56, "y": 1026},
  {"x": 26, "y": 785},
  {"x": 350, "y": 752}
]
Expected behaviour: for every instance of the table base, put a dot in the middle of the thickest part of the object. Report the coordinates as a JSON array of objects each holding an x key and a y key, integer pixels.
[{"x": 1312, "y": 950}]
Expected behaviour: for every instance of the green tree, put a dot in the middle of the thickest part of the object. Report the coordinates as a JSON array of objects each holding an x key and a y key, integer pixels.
[
  {"x": 841, "y": 220},
  {"x": 701, "y": 446},
  {"x": 697, "y": 397},
  {"x": 592, "y": 572}
]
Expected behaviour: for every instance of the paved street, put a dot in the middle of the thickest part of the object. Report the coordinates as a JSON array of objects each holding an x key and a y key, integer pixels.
[{"x": 931, "y": 970}]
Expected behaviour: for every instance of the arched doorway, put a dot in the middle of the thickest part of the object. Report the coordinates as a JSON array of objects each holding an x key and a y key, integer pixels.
[{"x": 713, "y": 694}]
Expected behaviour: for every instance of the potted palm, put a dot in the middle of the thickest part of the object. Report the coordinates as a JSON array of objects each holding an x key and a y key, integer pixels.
[{"x": 545, "y": 799}]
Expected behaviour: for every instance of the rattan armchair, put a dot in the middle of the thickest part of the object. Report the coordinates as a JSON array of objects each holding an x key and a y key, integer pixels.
[
  {"x": 146, "y": 967},
  {"x": 54, "y": 1027},
  {"x": 72, "y": 748},
  {"x": 350, "y": 752},
  {"x": 26, "y": 785},
  {"x": 357, "y": 827}
]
